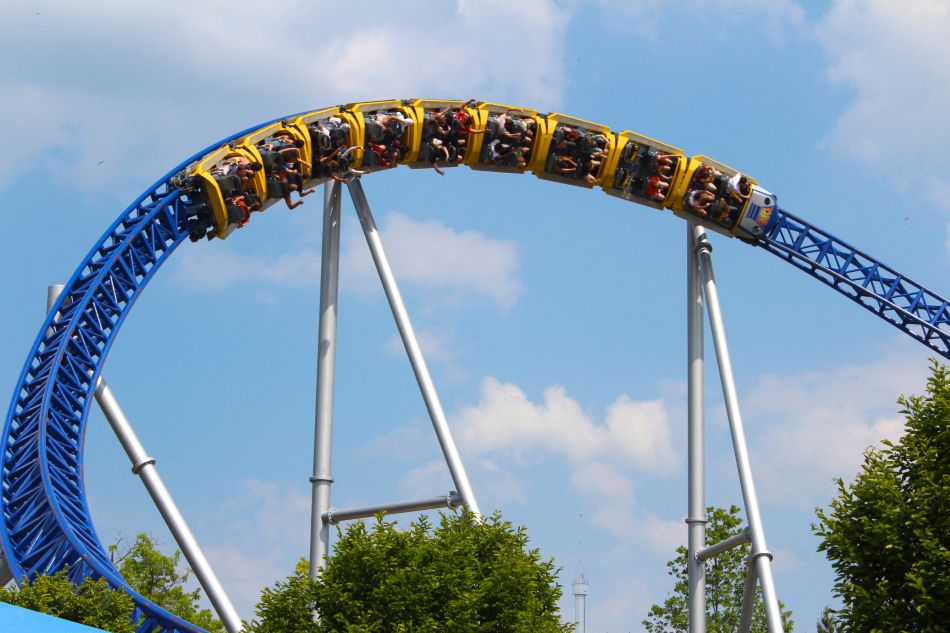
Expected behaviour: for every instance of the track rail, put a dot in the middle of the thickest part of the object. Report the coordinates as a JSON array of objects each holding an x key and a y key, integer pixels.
[
  {"x": 46, "y": 525},
  {"x": 902, "y": 302}
]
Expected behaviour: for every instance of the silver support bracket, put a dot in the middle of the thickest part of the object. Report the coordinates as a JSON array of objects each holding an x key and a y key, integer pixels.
[
  {"x": 724, "y": 546},
  {"x": 450, "y": 500}
]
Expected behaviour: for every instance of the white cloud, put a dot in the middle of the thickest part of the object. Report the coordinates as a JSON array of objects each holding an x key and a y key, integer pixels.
[
  {"x": 641, "y": 430},
  {"x": 232, "y": 268},
  {"x": 636, "y": 434},
  {"x": 616, "y": 512},
  {"x": 460, "y": 265},
  {"x": 130, "y": 83},
  {"x": 406, "y": 443},
  {"x": 893, "y": 56},
  {"x": 515, "y": 435},
  {"x": 261, "y": 537},
  {"x": 454, "y": 265},
  {"x": 645, "y": 17},
  {"x": 427, "y": 480},
  {"x": 505, "y": 437},
  {"x": 810, "y": 428},
  {"x": 497, "y": 483},
  {"x": 363, "y": 63}
]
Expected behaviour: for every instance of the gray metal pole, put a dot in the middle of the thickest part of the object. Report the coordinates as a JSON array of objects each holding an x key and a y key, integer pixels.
[
  {"x": 322, "y": 477},
  {"x": 144, "y": 467},
  {"x": 748, "y": 599},
  {"x": 760, "y": 552},
  {"x": 696, "y": 513},
  {"x": 336, "y": 515},
  {"x": 429, "y": 394},
  {"x": 723, "y": 546}
]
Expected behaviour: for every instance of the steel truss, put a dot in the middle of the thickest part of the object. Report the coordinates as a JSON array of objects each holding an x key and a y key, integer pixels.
[
  {"x": 47, "y": 526},
  {"x": 897, "y": 299}
]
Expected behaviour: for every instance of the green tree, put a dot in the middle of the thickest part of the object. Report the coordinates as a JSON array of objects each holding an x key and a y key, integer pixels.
[
  {"x": 725, "y": 585},
  {"x": 92, "y": 603},
  {"x": 887, "y": 535},
  {"x": 155, "y": 575},
  {"x": 460, "y": 576},
  {"x": 827, "y": 623}
]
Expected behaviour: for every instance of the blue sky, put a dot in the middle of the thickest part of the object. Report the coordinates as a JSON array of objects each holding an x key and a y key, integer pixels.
[{"x": 553, "y": 318}]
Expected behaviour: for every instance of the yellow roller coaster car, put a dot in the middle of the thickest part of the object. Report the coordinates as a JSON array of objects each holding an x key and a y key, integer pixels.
[
  {"x": 387, "y": 131},
  {"x": 343, "y": 141},
  {"x": 510, "y": 138},
  {"x": 572, "y": 151},
  {"x": 644, "y": 170},
  {"x": 446, "y": 133}
]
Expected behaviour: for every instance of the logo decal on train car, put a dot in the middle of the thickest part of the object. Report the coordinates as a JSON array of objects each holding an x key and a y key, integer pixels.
[{"x": 761, "y": 215}]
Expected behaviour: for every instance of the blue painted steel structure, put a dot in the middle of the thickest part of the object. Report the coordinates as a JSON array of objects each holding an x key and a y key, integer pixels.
[
  {"x": 46, "y": 525},
  {"x": 900, "y": 301}
]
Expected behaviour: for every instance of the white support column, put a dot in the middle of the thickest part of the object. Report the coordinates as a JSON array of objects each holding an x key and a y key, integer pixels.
[
  {"x": 322, "y": 477},
  {"x": 760, "y": 552},
  {"x": 696, "y": 512},
  {"x": 144, "y": 467},
  {"x": 416, "y": 359}
]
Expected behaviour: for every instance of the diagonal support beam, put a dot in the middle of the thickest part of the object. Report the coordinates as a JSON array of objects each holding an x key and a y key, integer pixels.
[
  {"x": 416, "y": 359},
  {"x": 760, "y": 552},
  {"x": 748, "y": 598}
]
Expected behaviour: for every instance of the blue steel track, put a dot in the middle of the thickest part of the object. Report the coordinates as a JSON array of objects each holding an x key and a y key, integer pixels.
[{"x": 46, "y": 525}]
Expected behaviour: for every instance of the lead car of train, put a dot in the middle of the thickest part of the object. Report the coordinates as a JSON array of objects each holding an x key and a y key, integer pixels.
[{"x": 285, "y": 160}]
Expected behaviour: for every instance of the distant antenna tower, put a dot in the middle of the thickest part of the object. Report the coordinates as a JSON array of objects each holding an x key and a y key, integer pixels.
[{"x": 580, "y": 586}]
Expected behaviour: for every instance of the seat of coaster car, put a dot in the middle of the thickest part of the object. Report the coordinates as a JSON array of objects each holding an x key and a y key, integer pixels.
[
  {"x": 236, "y": 213},
  {"x": 276, "y": 188},
  {"x": 430, "y": 126},
  {"x": 229, "y": 184},
  {"x": 375, "y": 131},
  {"x": 550, "y": 164},
  {"x": 722, "y": 185},
  {"x": 271, "y": 159},
  {"x": 323, "y": 142}
]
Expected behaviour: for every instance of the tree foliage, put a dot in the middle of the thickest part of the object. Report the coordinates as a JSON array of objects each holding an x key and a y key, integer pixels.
[
  {"x": 827, "y": 622},
  {"x": 155, "y": 575},
  {"x": 887, "y": 535},
  {"x": 92, "y": 603},
  {"x": 149, "y": 572},
  {"x": 460, "y": 576},
  {"x": 725, "y": 585}
]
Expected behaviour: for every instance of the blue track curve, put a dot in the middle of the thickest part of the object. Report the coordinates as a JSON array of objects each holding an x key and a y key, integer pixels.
[{"x": 46, "y": 525}]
